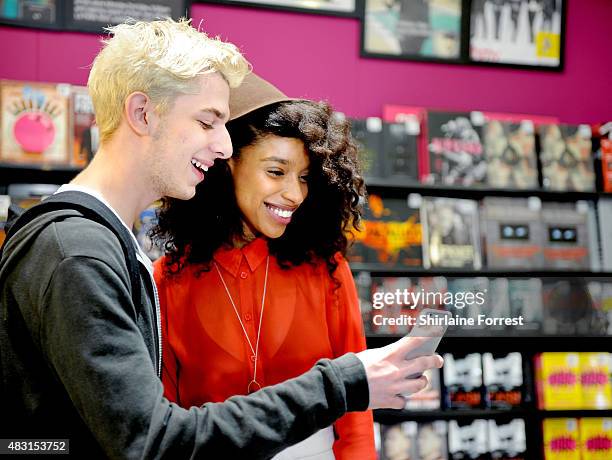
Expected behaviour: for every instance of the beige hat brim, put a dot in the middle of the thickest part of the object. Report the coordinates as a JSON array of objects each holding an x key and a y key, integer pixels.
[{"x": 254, "y": 93}]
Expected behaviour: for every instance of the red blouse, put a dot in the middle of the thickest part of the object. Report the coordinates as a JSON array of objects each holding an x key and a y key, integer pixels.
[{"x": 207, "y": 357}]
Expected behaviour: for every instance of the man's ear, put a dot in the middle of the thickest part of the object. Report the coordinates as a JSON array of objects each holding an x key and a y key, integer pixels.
[{"x": 139, "y": 113}]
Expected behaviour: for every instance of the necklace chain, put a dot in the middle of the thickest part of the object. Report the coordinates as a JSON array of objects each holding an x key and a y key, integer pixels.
[{"x": 255, "y": 350}]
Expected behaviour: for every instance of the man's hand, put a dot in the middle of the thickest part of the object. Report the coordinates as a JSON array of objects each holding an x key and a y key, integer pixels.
[{"x": 387, "y": 370}]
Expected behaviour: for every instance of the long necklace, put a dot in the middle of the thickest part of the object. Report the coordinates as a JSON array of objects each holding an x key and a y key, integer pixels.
[{"x": 253, "y": 384}]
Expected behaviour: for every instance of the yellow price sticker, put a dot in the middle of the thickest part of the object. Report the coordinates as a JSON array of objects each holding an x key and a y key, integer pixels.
[{"x": 548, "y": 45}]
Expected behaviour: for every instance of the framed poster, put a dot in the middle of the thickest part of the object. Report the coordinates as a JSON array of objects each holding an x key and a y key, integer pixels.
[
  {"x": 94, "y": 15},
  {"x": 325, "y": 7},
  {"x": 526, "y": 33},
  {"x": 414, "y": 29},
  {"x": 44, "y": 14}
]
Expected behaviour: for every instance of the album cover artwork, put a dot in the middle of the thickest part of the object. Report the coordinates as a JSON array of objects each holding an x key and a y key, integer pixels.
[
  {"x": 450, "y": 233},
  {"x": 566, "y": 236},
  {"x": 561, "y": 439},
  {"x": 596, "y": 438},
  {"x": 525, "y": 297},
  {"x": 368, "y": 133},
  {"x": 86, "y": 134},
  {"x": 390, "y": 234},
  {"x": 503, "y": 380},
  {"x": 468, "y": 440},
  {"x": 571, "y": 307},
  {"x": 34, "y": 123},
  {"x": 432, "y": 440},
  {"x": 516, "y": 32},
  {"x": 456, "y": 154},
  {"x": 463, "y": 381},
  {"x": 510, "y": 154},
  {"x": 400, "y": 151},
  {"x": 567, "y": 159},
  {"x": 558, "y": 381},
  {"x": 398, "y": 441},
  {"x": 507, "y": 441},
  {"x": 497, "y": 303},
  {"x": 595, "y": 371},
  {"x": 513, "y": 233}
]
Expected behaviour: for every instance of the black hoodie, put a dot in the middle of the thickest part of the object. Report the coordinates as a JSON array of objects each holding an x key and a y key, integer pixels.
[{"x": 78, "y": 361}]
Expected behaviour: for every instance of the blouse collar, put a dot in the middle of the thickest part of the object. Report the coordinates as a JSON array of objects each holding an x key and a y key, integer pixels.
[{"x": 254, "y": 252}]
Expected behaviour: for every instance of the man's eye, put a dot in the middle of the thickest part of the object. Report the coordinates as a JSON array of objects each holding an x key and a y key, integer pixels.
[{"x": 205, "y": 125}]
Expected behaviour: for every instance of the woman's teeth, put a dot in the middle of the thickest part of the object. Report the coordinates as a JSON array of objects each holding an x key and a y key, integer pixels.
[{"x": 280, "y": 212}]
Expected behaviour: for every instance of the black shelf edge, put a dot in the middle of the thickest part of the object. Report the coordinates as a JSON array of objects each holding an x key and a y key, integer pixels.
[
  {"x": 476, "y": 192},
  {"x": 383, "y": 270},
  {"x": 395, "y": 416}
]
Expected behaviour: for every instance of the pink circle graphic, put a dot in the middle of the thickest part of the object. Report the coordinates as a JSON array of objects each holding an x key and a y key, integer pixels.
[{"x": 34, "y": 131}]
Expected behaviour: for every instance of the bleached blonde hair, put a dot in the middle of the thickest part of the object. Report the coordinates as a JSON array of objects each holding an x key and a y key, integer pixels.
[{"x": 159, "y": 58}]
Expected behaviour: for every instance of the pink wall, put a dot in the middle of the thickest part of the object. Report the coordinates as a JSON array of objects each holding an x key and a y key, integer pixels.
[{"x": 318, "y": 57}]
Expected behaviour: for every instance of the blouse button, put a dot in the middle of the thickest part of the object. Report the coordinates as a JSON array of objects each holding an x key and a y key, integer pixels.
[
  {"x": 243, "y": 275},
  {"x": 248, "y": 316}
]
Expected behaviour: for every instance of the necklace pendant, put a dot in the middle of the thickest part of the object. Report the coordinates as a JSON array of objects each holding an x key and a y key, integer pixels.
[{"x": 253, "y": 387}]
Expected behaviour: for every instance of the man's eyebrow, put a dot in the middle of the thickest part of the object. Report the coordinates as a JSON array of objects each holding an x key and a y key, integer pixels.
[
  {"x": 277, "y": 159},
  {"x": 214, "y": 111}
]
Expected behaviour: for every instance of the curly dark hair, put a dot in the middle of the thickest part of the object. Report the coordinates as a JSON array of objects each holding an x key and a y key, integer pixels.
[{"x": 191, "y": 231}]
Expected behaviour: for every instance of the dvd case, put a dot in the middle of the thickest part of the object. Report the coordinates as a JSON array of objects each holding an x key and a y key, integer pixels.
[
  {"x": 503, "y": 380},
  {"x": 432, "y": 440},
  {"x": 566, "y": 236},
  {"x": 596, "y": 438},
  {"x": 390, "y": 234},
  {"x": 561, "y": 439},
  {"x": 513, "y": 233},
  {"x": 558, "y": 381},
  {"x": 510, "y": 154},
  {"x": 456, "y": 154},
  {"x": 368, "y": 135},
  {"x": 468, "y": 440},
  {"x": 463, "y": 381},
  {"x": 567, "y": 159},
  {"x": 400, "y": 151},
  {"x": 450, "y": 233},
  {"x": 398, "y": 441},
  {"x": 507, "y": 441}
]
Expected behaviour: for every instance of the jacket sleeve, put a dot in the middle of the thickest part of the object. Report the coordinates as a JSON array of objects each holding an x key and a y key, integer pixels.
[
  {"x": 355, "y": 430},
  {"x": 90, "y": 339},
  {"x": 169, "y": 362}
]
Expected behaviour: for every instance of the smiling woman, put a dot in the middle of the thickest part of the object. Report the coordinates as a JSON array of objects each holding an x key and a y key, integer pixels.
[{"x": 255, "y": 277}]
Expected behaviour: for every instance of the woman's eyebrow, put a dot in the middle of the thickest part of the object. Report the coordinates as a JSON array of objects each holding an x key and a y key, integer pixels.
[{"x": 276, "y": 159}]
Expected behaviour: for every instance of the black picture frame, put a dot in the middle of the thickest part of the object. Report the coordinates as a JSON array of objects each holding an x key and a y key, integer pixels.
[
  {"x": 48, "y": 15},
  {"x": 518, "y": 11},
  {"x": 467, "y": 26},
  {"x": 408, "y": 30},
  {"x": 63, "y": 13},
  {"x": 286, "y": 5}
]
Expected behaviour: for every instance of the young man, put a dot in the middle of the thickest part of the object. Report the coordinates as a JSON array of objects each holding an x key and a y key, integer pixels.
[{"x": 81, "y": 360}]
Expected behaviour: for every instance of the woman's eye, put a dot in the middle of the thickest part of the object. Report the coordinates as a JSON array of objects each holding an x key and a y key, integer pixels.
[
  {"x": 304, "y": 178},
  {"x": 275, "y": 172}
]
